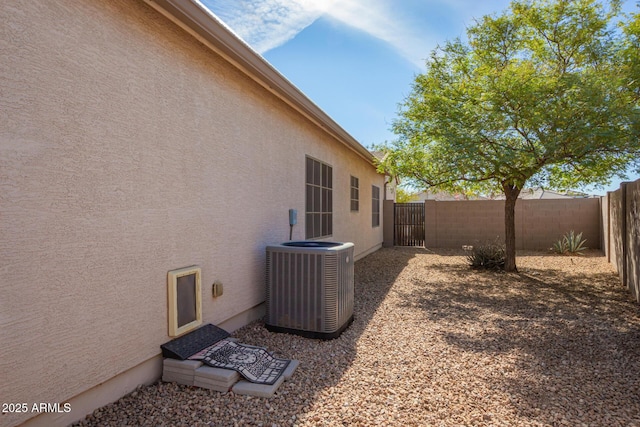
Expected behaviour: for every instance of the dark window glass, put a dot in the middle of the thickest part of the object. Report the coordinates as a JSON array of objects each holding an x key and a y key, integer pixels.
[
  {"x": 309, "y": 225},
  {"x": 375, "y": 206},
  {"x": 186, "y": 290},
  {"x": 355, "y": 194},
  {"x": 319, "y": 199}
]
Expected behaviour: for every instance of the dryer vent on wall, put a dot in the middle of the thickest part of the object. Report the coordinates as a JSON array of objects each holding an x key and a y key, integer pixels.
[{"x": 310, "y": 288}]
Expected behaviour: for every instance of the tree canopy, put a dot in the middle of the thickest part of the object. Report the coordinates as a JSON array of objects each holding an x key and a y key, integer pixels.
[{"x": 542, "y": 94}]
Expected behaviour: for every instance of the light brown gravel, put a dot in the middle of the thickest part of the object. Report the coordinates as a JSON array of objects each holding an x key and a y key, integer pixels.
[{"x": 437, "y": 344}]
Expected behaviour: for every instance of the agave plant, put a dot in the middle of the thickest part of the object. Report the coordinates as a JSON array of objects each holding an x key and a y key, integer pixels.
[
  {"x": 570, "y": 243},
  {"x": 560, "y": 247}
]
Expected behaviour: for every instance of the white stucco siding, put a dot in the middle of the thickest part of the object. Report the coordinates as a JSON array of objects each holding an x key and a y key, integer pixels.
[{"x": 128, "y": 149}]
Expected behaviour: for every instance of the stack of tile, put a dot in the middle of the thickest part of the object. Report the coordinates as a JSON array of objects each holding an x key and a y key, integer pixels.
[
  {"x": 263, "y": 390},
  {"x": 180, "y": 371},
  {"x": 215, "y": 378},
  {"x": 195, "y": 373}
]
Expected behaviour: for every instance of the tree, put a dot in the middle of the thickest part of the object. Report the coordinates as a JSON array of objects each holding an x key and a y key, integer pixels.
[
  {"x": 405, "y": 196},
  {"x": 534, "y": 97},
  {"x": 630, "y": 55}
]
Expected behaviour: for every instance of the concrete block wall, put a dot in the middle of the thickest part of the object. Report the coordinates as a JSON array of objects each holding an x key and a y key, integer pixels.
[
  {"x": 539, "y": 223},
  {"x": 545, "y": 221},
  {"x": 633, "y": 238},
  {"x": 616, "y": 229},
  {"x": 387, "y": 215},
  {"x": 451, "y": 224},
  {"x": 606, "y": 221},
  {"x": 623, "y": 250}
]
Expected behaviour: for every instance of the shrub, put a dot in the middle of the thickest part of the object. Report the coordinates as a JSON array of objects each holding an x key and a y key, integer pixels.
[
  {"x": 489, "y": 256},
  {"x": 570, "y": 243}
]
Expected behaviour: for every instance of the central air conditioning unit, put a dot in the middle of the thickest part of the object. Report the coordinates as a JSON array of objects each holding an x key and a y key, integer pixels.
[{"x": 310, "y": 288}]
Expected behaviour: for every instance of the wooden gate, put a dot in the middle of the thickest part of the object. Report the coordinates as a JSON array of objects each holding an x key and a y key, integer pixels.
[{"x": 408, "y": 224}]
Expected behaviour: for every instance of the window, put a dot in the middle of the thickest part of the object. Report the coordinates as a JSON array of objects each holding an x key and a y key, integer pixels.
[
  {"x": 319, "y": 206},
  {"x": 375, "y": 206},
  {"x": 355, "y": 194}
]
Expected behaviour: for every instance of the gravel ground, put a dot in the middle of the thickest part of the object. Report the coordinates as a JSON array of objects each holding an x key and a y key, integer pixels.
[{"x": 437, "y": 344}]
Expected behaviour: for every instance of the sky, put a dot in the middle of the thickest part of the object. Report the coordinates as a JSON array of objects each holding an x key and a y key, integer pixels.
[{"x": 356, "y": 59}]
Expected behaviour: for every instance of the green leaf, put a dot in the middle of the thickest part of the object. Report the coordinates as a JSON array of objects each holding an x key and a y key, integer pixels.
[{"x": 545, "y": 93}]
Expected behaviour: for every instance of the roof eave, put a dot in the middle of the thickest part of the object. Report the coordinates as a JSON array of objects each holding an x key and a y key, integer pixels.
[{"x": 194, "y": 17}]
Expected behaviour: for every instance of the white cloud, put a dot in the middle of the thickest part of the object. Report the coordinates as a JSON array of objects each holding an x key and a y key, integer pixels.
[
  {"x": 382, "y": 20},
  {"x": 267, "y": 24},
  {"x": 407, "y": 30}
]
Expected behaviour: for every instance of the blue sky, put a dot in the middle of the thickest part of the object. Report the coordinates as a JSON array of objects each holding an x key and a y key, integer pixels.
[{"x": 356, "y": 59}]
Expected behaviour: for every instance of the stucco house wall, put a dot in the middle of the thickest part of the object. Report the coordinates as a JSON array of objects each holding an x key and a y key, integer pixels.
[{"x": 129, "y": 148}]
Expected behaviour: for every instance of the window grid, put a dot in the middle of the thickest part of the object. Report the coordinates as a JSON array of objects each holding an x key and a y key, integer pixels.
[
  {"x": 319, "y": 199},
  {"x": 375, "y": 206},
  {"x": 355, "y": 194}
]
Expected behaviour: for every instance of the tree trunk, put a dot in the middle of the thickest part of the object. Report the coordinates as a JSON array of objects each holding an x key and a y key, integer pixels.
[{"x": 511, "y": 193}]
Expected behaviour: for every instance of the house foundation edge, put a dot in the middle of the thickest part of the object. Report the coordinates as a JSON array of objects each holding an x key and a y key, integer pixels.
[{"x": 110, "y": 391}]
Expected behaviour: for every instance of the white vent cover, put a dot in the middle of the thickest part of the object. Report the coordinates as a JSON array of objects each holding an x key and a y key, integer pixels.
[{"x": 310, "y": 288}]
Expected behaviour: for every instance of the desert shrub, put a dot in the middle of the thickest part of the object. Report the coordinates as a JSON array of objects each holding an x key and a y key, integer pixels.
[
  {"x": 570, "y": 243},
  {"x": 489, "y": 256}
]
